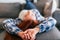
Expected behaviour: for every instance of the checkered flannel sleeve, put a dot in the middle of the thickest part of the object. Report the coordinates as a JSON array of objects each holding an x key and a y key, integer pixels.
[
  {"x": 46, "y": 25},
  {"x": 10, "y": 25}
]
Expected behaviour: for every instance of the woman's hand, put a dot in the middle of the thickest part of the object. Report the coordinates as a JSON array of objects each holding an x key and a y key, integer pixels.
[
  {"x": 22, "y": 35},
  {"x": 32, "y": 33}
]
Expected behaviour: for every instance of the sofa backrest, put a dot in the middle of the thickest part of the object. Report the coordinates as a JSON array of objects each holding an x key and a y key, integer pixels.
[
  {"x": 40, "y": 4},
  {"x": 9, "y": 10}
]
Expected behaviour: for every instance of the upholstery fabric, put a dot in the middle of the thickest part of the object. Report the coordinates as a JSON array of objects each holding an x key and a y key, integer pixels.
[
  {"x": 53, "y": 34},
  {"x": 9, "y": 10},
  {"x": 56, "y": 15}
]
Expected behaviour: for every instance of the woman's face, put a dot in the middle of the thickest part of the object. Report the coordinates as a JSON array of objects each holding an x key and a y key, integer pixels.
[{"x": 29, "y": 16}]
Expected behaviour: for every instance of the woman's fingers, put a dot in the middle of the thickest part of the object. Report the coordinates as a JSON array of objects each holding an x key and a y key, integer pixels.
[
  {"x": 26, "y": 35},
  {"x": 29, "y": 34},
  {"x": 32, "y": 35}
]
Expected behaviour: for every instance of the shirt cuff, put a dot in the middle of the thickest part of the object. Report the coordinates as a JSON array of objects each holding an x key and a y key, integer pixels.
[
  {"x": 17, "y": 30},
  {"x": 42, "y": 28}
]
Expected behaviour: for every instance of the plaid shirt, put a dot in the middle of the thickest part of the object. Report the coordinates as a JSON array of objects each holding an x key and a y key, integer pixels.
[{"x": 10, "y": 24}]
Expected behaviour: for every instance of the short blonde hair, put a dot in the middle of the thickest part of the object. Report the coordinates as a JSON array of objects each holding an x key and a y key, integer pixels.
[{"x": 22, "y": 14}]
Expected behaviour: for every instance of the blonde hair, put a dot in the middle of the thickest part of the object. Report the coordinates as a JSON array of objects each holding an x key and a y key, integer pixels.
[{"x": 22, "y": 14}]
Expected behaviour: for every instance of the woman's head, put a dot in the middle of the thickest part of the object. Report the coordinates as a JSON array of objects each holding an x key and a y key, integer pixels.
[{"x": 27, "y": 15}]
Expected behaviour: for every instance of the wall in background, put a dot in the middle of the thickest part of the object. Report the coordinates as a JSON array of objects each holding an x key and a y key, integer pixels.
[
  {"x": 59, "y": 3},
  {"x": 12, "y": 1},
  {"x": 22, "y": 1}
]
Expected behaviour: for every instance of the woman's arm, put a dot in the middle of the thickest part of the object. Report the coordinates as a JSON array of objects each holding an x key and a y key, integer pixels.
[
  {"x": 10, "y": 26},
  {"x": 47, "y": 25}
]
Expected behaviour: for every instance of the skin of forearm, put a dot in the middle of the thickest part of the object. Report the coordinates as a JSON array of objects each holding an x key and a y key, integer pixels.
[
  {"x": 37, "y": 29},
  {"x": 19, "y": 34}
]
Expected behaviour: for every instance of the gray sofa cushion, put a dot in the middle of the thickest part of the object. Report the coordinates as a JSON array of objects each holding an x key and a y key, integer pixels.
[
  {"x": 9, "y": 10},
  {"x": 53, "y": 34},
  {"x": 41, "y": 6},
  {"x": 56, "y": 15}
]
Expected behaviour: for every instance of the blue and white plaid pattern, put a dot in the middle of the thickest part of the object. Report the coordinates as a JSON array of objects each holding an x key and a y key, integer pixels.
[
  {"x": 10, "y": 25},
  {"x": 46, "y": 25}
]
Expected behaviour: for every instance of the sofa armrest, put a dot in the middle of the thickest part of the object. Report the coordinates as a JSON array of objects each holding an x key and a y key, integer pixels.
[
  {"x": 53, "y": 34},
  {"x": 56, "y": 15}
]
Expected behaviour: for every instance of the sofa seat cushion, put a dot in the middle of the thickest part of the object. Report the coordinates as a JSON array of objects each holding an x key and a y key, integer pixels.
[{"x": 53, "y": 34}]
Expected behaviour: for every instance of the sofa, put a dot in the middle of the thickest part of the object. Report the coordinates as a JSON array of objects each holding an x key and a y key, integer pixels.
[{"x": 11, "y": 10}]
